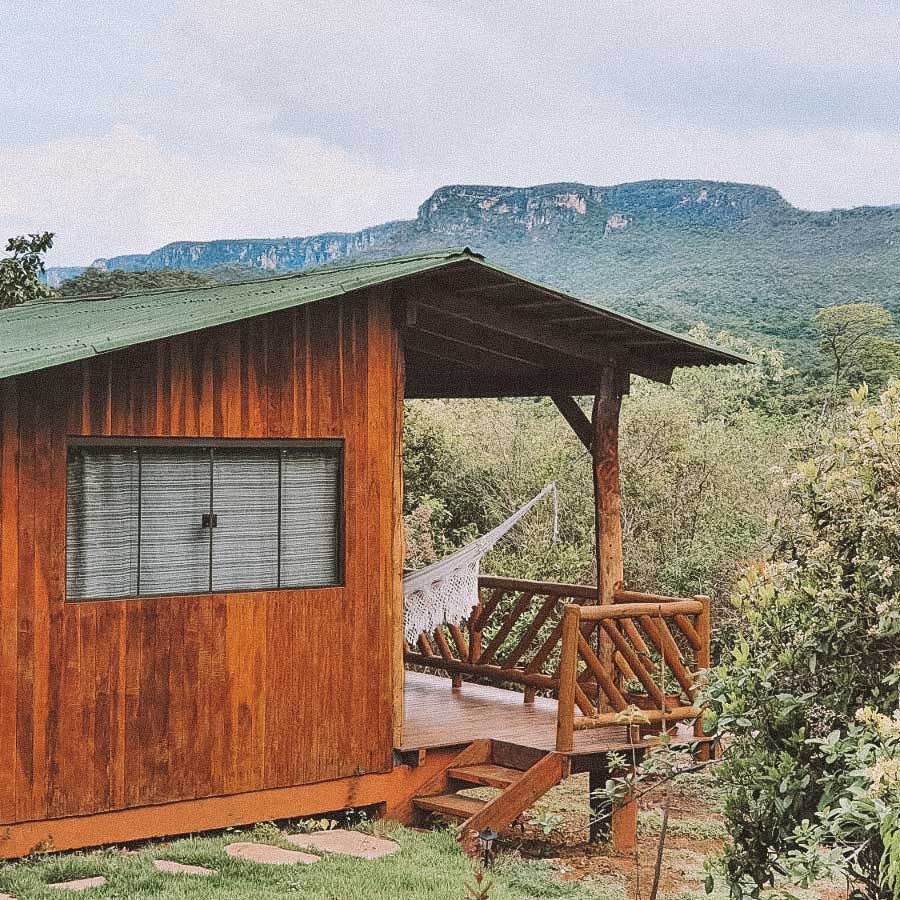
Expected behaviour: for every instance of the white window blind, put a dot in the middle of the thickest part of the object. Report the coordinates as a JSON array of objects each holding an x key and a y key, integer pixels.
[
  {"x": 174, "y": 544},
  {"x": 310, "y": 510},
  {"x": 151, "y": 520},
  {"x": 245, "y": 539},
  {"x": 102, "y": 523}
]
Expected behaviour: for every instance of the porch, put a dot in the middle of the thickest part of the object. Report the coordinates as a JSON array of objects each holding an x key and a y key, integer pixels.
[
  {"x": 543, "y": 680},
  {"x": 543, "y": 666},
  {"x": 439, "y": 714},
  {"x": 540, "y": 683}
]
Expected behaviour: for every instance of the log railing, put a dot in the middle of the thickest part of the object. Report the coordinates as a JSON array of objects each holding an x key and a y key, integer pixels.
[
  {"x": 511, "y": 638},
  {"x": 550, "y": 638},
  {"x": 658, "y": 645}
]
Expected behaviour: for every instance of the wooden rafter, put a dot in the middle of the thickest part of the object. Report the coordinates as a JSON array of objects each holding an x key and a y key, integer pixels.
[
  {"x": 455, "y": 351},
  {"x": 436, "y": 322},
  {"x": 425, "y": 381},
  {"x": 557, "y": 339}
]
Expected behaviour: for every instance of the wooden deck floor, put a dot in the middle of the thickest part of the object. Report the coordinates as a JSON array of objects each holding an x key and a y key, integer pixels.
[{"x": 435, "y": 715}]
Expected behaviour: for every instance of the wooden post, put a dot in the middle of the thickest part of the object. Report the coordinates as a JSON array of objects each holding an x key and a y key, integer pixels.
[
  {"x": 703, "y": 660},
  {"x": 608, "y": 819},
  {"x": 568, "y": 665},
  {"x": 475, "y": 632},
  {"x": 398, "y": 543},
  {"x": 608, "y": 500},
  {"x": 624, "y": 825},
  {"x": 600, "y": 826}
]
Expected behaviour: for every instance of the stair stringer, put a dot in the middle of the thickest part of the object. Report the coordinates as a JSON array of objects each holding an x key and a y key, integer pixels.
[{"x": 503, "y": 809}]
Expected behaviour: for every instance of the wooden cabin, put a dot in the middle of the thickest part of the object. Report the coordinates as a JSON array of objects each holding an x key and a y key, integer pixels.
[{"x": 201, "y": 554}]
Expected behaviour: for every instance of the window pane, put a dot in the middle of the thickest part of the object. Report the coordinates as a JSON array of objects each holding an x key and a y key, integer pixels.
[
  {"x": 101, "y": 523},
  {"x": 310, "y": 524},
  {"x": 245, "y": 501},
  {"x": 174, "y": 544}
]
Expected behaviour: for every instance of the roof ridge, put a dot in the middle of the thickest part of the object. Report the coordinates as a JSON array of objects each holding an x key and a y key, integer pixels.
[
  {"x": 42, "y": 335},
  {"x": 335, "y": 266}
]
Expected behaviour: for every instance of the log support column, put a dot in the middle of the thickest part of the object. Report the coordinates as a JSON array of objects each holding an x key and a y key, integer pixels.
[
  {"x": 601, "y": 814},
  {"x": 616, "y": 821},
  {"x": 601, "y": 437},
  {"x": 624, "y": 826},
  {"x": 608, "y": 499}
]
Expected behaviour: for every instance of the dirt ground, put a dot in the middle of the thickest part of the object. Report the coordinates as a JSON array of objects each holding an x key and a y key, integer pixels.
[{"x": 696, "y": 833}]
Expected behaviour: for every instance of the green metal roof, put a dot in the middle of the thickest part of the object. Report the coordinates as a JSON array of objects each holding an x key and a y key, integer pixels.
[{"x": 43, "y": 334}]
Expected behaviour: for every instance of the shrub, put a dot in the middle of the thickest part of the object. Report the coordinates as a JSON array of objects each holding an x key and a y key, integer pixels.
[{"x": 813, "y": 676}]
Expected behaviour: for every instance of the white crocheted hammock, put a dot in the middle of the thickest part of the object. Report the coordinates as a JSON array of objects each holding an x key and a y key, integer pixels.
[{"x": 447, "y": 590}]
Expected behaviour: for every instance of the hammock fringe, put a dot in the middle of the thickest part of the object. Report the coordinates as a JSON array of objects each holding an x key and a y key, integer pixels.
[{"x": 447, "y": 590}]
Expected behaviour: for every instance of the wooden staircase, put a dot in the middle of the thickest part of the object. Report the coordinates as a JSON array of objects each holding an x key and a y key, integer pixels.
[{"x": 521, "y": 775}]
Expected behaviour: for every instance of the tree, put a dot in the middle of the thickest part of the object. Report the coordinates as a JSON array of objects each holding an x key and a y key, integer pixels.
[
  {"x": 690, "y": 459},
  {"x": 94, "y": 281},
  {"x": 848, "y": 332},
  {"x": 20, "y": 274},
  {"x": 814, "y": 676}
]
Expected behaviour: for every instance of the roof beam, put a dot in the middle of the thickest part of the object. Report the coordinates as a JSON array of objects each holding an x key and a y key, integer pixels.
[
  {"x": 576, "y": 418},
  {"x": 578, "y": 317},
  {"x": 473, "y": 387},
  {"x": 455, "y": 350},
  {"x": 474, "y": 334},
  {"x": 426, "y": 380},
  {"x": 534, "y": 304},
  {"x": 492, "y": 286},
  {"x": 536, "y": 332},
  {"x": 441, "y": 357}
]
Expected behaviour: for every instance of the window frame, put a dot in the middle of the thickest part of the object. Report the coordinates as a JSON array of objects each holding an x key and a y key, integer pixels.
[{"x": 335, "y": 445}]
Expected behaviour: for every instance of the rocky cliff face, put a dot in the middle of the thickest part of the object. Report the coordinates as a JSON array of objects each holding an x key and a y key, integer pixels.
[
  {"x": 468, "y": 213},
  {"x": 735, "y": 256},
  {"x": 260, "y": 253},
  {"x": 461, "y": 209},
  {"x": 465, "y": 209}
]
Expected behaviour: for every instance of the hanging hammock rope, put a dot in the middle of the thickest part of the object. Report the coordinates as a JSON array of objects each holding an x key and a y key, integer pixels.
[{"x": 447, "y": 590}]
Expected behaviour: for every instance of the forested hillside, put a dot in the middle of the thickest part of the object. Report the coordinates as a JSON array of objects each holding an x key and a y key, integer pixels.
[{"x": 676, "y": 253}]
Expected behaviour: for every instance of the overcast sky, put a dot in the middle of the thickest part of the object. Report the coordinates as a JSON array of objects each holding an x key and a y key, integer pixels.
[{"x": 125, "y": 125}]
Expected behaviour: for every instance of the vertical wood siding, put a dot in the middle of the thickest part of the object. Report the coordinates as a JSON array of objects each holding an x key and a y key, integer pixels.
[{"x": 120, "y": 703}]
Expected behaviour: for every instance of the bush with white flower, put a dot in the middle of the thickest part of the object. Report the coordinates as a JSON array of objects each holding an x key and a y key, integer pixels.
[{"x": 809, "y": 695}]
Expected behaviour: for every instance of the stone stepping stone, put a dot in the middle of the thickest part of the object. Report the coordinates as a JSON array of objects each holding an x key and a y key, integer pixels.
[
  {"x": 349, "y": 843},
  {"x": 79, "y": 884},
  {"x": 6, "y": 897},
  {"x": 268, "y": 854},
  {"x": 176, "y": 868}
]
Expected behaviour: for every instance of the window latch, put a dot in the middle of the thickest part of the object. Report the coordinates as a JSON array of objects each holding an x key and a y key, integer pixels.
[{"x": 209, "y": 520}]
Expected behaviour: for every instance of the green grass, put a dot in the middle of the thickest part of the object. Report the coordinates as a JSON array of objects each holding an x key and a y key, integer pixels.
[{"x": 429, "y": 866}]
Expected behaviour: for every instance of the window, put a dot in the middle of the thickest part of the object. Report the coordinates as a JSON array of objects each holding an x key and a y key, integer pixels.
[{"x": 178, "y": 517}]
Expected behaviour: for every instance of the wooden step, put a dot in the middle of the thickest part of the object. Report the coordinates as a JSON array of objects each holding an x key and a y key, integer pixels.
[
  {"x": 498, "y": 812},
  {"x": 487, "y": 774},
  {"x": 453, "y": 805}
]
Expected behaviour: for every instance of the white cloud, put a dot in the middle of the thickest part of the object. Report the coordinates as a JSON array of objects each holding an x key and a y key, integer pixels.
[
  {"x": 189, "y": 119},
  {"x": 122, "y": 192}
]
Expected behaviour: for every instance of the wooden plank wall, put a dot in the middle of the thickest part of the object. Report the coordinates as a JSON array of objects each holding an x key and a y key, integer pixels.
[{"x": 114, "y": 704}]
